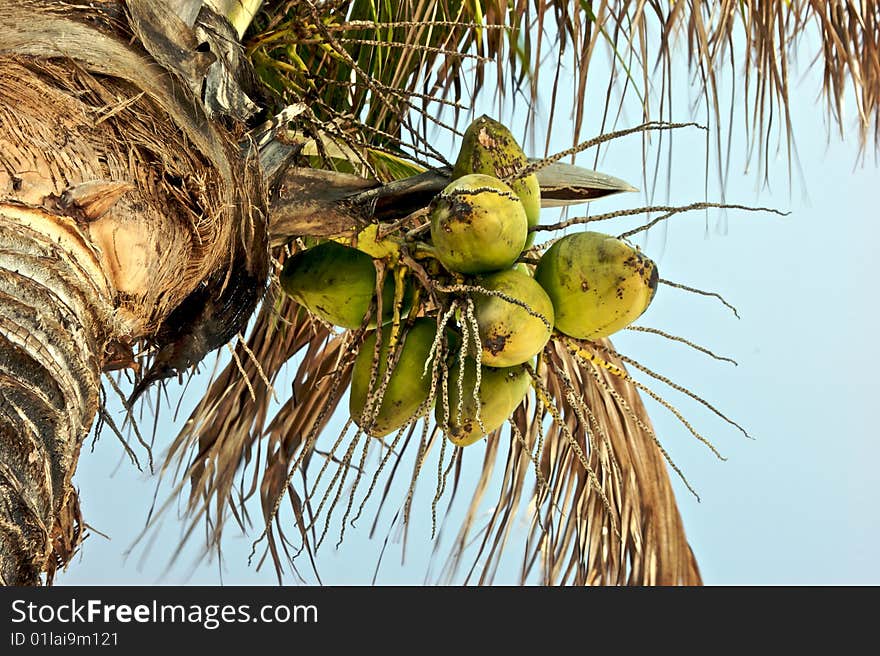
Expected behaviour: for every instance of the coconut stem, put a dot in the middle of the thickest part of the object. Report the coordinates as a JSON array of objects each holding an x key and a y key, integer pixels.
[{"x": 421, "y": 250}]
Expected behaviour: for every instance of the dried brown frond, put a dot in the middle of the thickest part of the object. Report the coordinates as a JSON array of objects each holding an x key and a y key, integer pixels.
[
  {"x": 222, "y": 437},
  {"x": 582, "y": 546}
]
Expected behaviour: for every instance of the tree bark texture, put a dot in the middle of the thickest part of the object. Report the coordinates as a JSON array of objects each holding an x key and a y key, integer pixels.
[{"x": 54, "y": 317}]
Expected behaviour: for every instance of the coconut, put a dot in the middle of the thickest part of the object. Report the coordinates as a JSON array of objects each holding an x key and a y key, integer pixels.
[
  {"x": 500, "y": 392},
  {"x": 338, "y": 284},
  {"x": 488, "y": 147},
  {"x": 367, "y": 240},
  {"x": 478, "y": 224},
  {"x": 408, "y": 387},
  {"x": 598, "y": 283},
  {"x": 509, "y": 333}
]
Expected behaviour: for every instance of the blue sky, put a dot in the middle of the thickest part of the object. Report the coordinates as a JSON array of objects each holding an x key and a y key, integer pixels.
[{"x": 796, "y": 505}]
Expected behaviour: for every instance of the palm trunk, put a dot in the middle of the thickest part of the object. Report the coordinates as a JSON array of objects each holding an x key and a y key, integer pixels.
[
  {"x": 55, "y": 316},
  {"x": 128, "y": 220}
]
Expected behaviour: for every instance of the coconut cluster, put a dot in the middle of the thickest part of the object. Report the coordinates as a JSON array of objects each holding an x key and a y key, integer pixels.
[{"x": 463, "y": 336}]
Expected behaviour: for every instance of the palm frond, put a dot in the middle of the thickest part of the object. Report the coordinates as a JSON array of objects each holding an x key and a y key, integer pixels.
[{"x": 381, "y": 73}]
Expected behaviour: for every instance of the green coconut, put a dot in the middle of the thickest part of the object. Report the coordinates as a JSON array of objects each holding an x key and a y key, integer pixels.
[
  {"x": 408, "y": 387},
  {"x": 500, "y": 392},
  {"x": 338, "y": 284},
  {"x": 598, "y": 283},
  {"x": 478, "y": 224},
  {"x": 488, "y": 147},
  {"x": 367, "y": 240},
  {"x": 509, "y": 333}
]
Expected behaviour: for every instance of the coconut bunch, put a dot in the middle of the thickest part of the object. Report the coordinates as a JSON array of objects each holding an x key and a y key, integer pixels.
[{"x": 454, "y": 305}]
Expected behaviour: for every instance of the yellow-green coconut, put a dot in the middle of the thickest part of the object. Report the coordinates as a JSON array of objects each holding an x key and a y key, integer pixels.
[
  {"x": 598, "y": 283},
  {"x": 500, "y": 393},
  {"x": 338, "y": 284},
  {"x": 478, "y": 224},
  {"x": 490, "y": 148},
  {"x": 407, "y": 387},
  {"x": 510, "y": 333}
]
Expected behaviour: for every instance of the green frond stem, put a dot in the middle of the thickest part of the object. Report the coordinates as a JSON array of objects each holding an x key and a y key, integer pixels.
[
  {"x": 368, "y": 82},
  {"x": 240, "y": 13}
]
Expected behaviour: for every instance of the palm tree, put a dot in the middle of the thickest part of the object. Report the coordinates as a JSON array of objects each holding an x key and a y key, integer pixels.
[{"x": 155, "y": 175}]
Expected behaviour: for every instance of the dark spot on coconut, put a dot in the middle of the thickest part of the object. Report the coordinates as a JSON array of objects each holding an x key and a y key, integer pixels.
[
  {"x": 462, "y": 211},
  {"x": 496, "y": 342}
]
